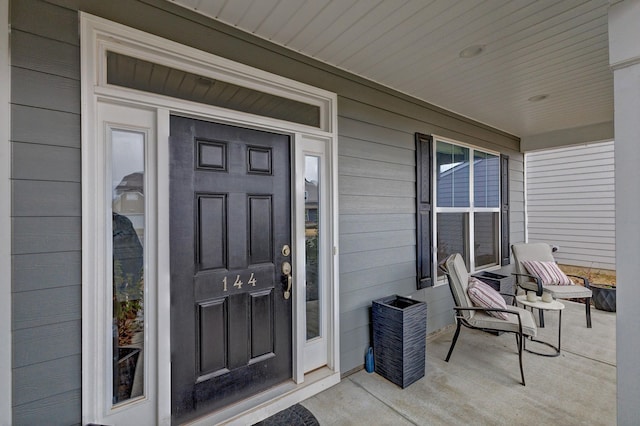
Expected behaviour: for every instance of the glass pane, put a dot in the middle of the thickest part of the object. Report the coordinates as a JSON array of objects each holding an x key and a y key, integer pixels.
[
  {"x": 452, "y": 164},
  {"x": 452, "y": 236},
  {"x": 311, "y": 222},
  {"x": 142, "y": 75},
  {"x": 486, "y": 239},
  {"x": 486, "y": 179},
  {"x": 128, "y": 215}
]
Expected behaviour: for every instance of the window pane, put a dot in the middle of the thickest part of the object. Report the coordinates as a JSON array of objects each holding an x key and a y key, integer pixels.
[
  {"x": 128, "y": 216},
  {"x": 311, "y": 205},
  {"x": 486, "y": 179},
  {"x": 452, "y": 164},
  {"x": 453, "y": 236},
  {"x": 486, "y": 239}
]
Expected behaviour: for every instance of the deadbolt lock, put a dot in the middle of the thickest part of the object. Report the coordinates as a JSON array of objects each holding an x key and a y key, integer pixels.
[{"x": 286, "y": 250}]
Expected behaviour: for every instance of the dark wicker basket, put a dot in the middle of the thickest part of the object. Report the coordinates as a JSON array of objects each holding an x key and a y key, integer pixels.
[{"x": 399, "y": 339}]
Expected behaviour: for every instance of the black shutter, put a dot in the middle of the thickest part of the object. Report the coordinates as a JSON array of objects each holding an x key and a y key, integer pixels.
[
  {"x": 504, "y": 206},
  {"x": 423, "y": 210}
]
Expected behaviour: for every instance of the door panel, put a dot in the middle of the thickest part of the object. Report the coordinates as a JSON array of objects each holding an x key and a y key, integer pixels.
[{"x": 229, "y": 217}]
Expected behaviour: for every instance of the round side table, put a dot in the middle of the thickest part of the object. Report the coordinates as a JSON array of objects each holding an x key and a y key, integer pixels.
[{"x": 545, "y": 306}]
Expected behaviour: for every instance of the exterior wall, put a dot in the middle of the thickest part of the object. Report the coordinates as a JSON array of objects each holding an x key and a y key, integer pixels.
[
  {"x": 376, "y": 172},
  {"x": 45, "y": 139},
  {"x": 571, "y": 203}
]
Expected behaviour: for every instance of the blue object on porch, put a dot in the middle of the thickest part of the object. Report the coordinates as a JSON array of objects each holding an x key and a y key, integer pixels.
[{"x": 368, "y": 360}]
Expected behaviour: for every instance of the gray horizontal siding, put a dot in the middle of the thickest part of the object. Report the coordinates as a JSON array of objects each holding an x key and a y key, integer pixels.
[
  {"x": 376, "y": 166},
  {"x": 53, "y": 409},
  {"x": 46, "y": 210},
  {"x": 54, "y": 127},
  {"x": 46, "y": 234},
  {"x": 571, "y": 203}
]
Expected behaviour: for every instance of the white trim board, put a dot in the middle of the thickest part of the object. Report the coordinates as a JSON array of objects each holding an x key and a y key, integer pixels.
[
  {"x": 5, "y": 217},
  {"x": 98, "y": 36}
]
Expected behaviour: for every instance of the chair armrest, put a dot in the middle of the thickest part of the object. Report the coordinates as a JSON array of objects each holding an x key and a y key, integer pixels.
[
  {"x": 478, "y": 308},
  {"x": 536, "y": 279},
  {"x": 585, "y": 280}
]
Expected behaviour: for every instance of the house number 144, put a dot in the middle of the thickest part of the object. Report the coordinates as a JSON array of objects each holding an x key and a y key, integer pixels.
[{"x": 238, "y": 282}]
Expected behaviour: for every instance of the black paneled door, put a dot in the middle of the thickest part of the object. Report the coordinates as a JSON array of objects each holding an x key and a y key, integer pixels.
[{"x": 230, "y": 216}]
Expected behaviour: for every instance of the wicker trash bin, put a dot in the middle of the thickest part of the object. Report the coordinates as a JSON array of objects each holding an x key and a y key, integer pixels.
[{"x": 399, "y": 339}]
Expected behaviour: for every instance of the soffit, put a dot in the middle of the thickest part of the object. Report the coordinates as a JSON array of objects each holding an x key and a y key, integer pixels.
[{"x": 531, "y": 48}]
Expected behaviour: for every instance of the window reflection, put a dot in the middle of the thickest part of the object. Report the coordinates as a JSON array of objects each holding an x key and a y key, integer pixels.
[
  {"x": 311, "y": 221},
  {"x": 128, "y": 224},
  {"x": 452, "y": 164},
  {"x": 486, "y": 239},
  {"x": 486, "y": 179},
  {"x": 452, "y": 235}
]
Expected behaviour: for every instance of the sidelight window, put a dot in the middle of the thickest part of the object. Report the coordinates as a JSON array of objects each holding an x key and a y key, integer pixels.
[{"x": 128, "y": 272}]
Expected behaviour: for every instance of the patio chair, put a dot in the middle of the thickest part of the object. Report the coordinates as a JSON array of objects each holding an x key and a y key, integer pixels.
[
  {"x": 518, "y": 320},
  {"x": 547, "y": 282}
]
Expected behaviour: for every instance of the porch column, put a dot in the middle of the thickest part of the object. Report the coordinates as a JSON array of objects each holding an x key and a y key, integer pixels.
[{"x": 624, "y": 57}]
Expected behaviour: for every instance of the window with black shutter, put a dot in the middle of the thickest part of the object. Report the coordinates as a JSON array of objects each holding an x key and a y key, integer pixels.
[{"x": 462, "y": 206}]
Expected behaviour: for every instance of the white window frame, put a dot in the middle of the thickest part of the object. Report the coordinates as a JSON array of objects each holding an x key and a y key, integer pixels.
[
  {"x": 98, "y": 36},
  {"x": 470, "y": 237}
]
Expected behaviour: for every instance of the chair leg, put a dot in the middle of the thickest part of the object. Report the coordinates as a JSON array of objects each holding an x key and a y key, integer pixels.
[
  {"x": 541, "y": 315},
  {"x": 453, "y": 342},
  {"x": 520, "y": 338},
  {"x": 587, "y": 307}
]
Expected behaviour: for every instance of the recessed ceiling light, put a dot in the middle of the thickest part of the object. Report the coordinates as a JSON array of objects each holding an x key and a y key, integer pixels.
[
  {"x": 538, "y": 98},
  {"x": 472, "y": 51}
]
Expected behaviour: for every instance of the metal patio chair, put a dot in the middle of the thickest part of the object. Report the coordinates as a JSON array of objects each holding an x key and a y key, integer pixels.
[
  {"x": 542, "y": 252},
  {"x": 520, "y": 321}
]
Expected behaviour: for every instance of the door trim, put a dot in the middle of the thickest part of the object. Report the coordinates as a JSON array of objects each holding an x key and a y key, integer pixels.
[{"x": 98, "y": 36}]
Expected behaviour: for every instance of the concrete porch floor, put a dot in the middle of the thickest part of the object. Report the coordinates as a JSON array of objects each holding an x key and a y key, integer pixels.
[{"x": 481, "y": 382}]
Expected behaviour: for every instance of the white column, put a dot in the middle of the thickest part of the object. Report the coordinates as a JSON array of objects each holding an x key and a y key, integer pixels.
[
  {"x": 5, "y": 218},
  {"x": 624, "y": 57}
]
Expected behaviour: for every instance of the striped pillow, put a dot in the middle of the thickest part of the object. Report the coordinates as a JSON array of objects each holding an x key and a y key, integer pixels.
[
  {"x": 484, "y": 296},
  {"x": 548, "y": 272}
]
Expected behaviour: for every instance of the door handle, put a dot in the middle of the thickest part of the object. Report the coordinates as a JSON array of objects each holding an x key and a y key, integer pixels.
[{"x": 286, "y": 274}]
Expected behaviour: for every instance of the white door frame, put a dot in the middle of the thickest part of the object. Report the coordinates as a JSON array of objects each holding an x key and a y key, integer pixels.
[{"x": 98, "y": 36}]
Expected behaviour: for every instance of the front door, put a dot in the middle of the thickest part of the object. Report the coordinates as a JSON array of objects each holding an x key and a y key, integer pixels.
[{"x": 230, "y": 217}]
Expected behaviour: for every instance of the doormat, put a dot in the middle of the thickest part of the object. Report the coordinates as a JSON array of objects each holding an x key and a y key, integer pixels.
[{"x": 295, "y": 415}]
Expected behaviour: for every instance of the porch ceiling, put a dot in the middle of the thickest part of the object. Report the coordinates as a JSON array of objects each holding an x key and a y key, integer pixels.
[{"x": 529, "y": 48}]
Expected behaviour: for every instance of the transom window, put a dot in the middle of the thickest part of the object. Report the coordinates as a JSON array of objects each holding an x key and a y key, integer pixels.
[{"x": 467, "y": 194}]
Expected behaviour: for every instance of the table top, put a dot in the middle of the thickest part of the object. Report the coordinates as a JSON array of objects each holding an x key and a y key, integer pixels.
[{"x": 539, "y": 304}]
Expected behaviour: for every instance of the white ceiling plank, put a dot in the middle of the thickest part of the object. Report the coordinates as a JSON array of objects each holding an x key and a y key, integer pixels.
[
  {"x": 347, "y": 22},
  {"x": 532, "y": 47},
  {"x": 369, "y": 30},
  {"x": 233, "y": 11},
  {"x": 321, "y": 24},
  {"x": 413, "y": 31},
  {"x": 256, "y": 14},
  {"x": 507, "y": 49},
  {"x": 306, "y": 11},
  {"x": 538, "y": 69},
  {"x": 278, "y": 18}
]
